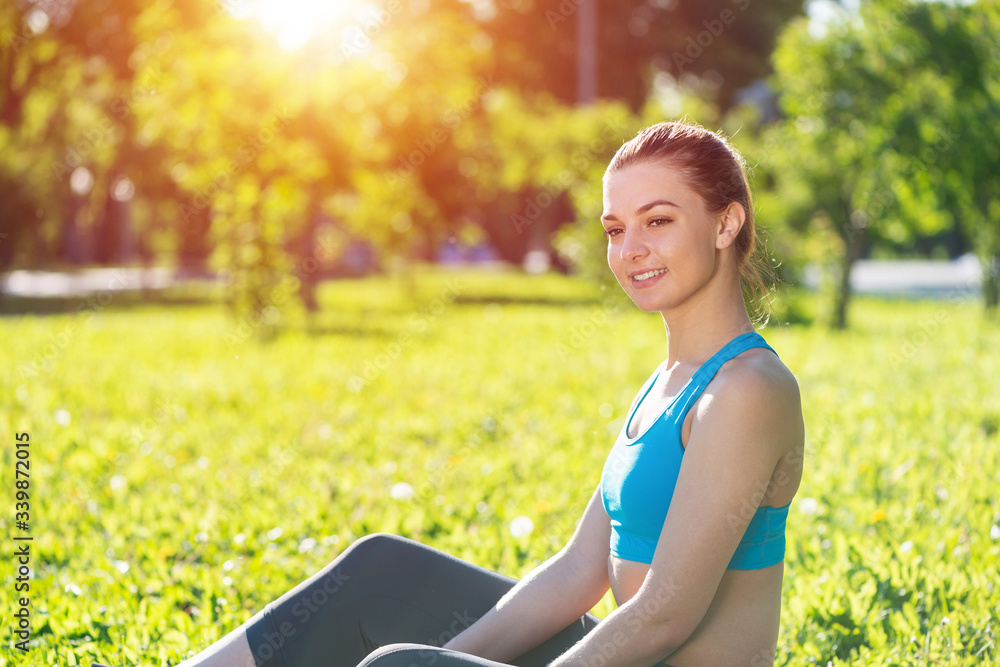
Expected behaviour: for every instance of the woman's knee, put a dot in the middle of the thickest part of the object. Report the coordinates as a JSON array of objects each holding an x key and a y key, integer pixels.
[
  {"x": 421, "y": 655},
  {"x": 374, "y": 545},
  {"x": 377, "y": 541},
  {"x": 401, "y": 655},
  {"x": 383, "y": 548}
]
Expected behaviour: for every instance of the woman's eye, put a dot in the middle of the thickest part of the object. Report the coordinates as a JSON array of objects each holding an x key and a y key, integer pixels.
[
  {"x": 660, "y": 221},
  {"x": 611, "y": 232}
]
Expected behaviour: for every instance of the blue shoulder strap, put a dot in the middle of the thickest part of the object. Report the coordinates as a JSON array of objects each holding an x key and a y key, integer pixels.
[{"x": 707, "y": 371}]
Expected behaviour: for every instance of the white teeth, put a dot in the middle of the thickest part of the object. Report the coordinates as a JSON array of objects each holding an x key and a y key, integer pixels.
[{"x": 649, "y": 274}]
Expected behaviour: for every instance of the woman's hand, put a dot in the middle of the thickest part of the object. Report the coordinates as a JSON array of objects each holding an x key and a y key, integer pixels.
[
  {"x": 749, "y": 422},
  {"x": 550, "y": 598}
]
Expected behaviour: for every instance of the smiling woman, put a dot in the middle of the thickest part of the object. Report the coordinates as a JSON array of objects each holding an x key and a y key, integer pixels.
[{"x": 686, "y": 526}]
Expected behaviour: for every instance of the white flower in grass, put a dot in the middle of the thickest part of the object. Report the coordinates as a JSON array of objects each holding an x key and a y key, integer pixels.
[
  {"x": 809, "y": 506},
  {"x": 401, "y": 491},
  {"x": 521, "y": 527}
]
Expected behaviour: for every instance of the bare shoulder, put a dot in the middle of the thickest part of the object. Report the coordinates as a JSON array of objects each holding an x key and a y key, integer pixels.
[
  {"x": 758, "y": 376},
  {"x": 756, "y": 389}
]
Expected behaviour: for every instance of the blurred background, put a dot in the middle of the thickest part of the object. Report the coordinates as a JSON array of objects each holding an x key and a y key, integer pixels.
[
  {"x": 276, "y": 274},
  {"x": 261, "y": 147}
]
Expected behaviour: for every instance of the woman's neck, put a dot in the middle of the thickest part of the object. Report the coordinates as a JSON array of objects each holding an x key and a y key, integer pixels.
[{"x": 695, "y": 333}]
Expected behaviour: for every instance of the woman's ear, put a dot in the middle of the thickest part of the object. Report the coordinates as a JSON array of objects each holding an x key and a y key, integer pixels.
[{"x": 730, "y": 223}]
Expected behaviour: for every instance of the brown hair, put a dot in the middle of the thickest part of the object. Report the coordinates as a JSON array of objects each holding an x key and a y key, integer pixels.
[{"x": 717, "y": 172}]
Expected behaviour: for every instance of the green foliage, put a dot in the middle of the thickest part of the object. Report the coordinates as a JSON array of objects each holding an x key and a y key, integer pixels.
[
  {"x": 727, "y": 42},
  {"x": 184, "y": 473},
  {"x": 418, "y": 122},
  {"x": 888, "y": 133},
  {"x": 19, "y": 204}
]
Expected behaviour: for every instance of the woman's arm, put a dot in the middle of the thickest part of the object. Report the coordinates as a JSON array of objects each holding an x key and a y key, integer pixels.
[
  {"x": 552, "y": 596},
  {"x": 738, "y": 435}
]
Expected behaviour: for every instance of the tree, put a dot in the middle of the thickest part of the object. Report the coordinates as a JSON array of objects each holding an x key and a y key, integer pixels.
[
  {"x": 429, "y": 121},
  {"x": 729, "y": 42},
  {"x": 958, "y": 51},
  {"x": 867, "y": 128},
  {"x": 81, "y": 70}
]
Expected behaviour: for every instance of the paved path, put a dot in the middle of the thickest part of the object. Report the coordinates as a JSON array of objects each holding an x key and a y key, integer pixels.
[
  {"x": 912, "y": 277},
  {"x": 899, "y": 278},
  {"x": 84, "y": 282}
]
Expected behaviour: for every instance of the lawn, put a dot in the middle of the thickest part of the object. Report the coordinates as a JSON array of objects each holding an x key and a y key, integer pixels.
[{"x": 186, "y": 469}]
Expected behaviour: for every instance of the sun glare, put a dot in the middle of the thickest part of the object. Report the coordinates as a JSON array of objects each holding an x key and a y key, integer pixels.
[{"x": 295, "y": 22}]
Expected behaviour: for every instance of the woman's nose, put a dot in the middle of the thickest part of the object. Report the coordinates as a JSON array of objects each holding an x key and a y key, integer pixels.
[{"x": 633, "y": 245}]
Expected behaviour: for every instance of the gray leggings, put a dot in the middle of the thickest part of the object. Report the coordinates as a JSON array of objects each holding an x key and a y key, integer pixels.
[{"x": 387, "y": 601}]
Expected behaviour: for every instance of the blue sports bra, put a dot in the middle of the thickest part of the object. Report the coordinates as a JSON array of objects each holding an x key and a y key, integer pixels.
[{"x": 639, "y": 476}]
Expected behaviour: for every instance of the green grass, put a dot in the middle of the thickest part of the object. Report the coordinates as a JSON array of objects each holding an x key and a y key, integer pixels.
[{"x": 185, "y": 471}]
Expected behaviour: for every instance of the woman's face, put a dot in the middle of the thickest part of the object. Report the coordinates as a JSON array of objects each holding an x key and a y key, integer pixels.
[{"x": 661, "y": 237}]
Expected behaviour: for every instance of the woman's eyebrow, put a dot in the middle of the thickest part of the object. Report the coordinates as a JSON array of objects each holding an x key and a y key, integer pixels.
[{"x": 645, "y": 207}]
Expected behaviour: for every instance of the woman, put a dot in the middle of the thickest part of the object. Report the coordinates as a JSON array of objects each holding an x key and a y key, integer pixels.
[{"x": 715, "y": 436}]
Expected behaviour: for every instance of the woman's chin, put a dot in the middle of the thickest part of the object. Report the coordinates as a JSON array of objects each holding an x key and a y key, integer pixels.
[
  {"x": 646, "y": 304},
  {"x": 644, "y": 301}
]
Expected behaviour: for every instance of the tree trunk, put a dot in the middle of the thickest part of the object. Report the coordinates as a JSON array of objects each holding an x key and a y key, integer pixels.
[
  {"x": 854, "y": 242},
  {"x": 307, "y": 260},
  {"x": 843, "y": 294},
  {"x": 194, "y": 245},
  {"x": 991, "y": 283}
]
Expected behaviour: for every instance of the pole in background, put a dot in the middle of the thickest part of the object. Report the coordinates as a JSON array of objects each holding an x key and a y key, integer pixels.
[
  {"x": 586, "y": 51},
  {"x": 122, "y": 192}
]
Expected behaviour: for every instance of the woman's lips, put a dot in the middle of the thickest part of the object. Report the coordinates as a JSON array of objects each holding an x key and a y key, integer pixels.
[{"x": 648, "y": 278}]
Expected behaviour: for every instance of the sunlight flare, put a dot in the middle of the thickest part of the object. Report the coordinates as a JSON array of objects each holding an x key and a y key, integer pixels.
[{"x": 295, "y": 22}]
